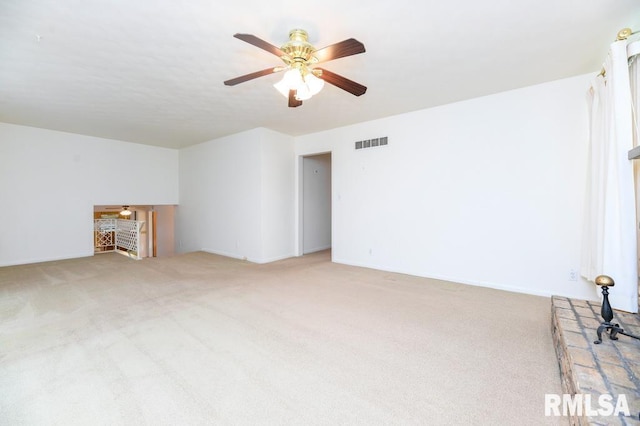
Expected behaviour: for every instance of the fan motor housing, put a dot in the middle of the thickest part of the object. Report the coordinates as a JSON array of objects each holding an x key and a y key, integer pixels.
[{"x": 298, "y": 48}]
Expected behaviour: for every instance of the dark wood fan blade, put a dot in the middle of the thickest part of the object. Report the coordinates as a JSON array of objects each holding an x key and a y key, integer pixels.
[
  {"x": 258, "y": 42},
  {"x": 342, "y": 82},
  {"x": 251, "y": 76},
  {"x": 293, "y": 102},
  {"x": 339, "y": 50}
]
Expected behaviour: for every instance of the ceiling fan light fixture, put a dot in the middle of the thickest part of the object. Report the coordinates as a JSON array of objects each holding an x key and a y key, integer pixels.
[
  {"x": 314, "y": 83},
  {"x": 303, "y": 93},
  {"x": 305, "y": 86},
  {"x": 291, "y": 80}
]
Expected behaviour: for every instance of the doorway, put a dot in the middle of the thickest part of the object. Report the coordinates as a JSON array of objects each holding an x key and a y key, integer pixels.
[
  {"x": 316, "y": 203},
  {"x": 156, "y": 233}
]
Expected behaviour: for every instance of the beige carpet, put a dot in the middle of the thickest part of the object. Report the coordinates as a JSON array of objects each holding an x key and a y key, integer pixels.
[{"x": 201, "y": 339}]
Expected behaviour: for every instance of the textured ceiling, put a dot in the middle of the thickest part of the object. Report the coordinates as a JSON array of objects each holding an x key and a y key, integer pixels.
[{"x": 151, "y": 72}]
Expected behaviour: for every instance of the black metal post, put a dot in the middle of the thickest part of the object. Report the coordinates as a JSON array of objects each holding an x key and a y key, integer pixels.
[{"x": 607, "y": 312}]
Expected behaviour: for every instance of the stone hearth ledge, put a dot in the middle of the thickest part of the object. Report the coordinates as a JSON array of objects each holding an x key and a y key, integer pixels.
[{"x": 611, "y": 368}]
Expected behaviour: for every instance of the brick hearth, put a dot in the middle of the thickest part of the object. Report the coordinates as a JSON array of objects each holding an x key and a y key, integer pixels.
[{"x": 611, "y": 368}]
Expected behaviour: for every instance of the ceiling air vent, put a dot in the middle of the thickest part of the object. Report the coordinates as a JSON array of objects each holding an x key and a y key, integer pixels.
[{"x": 370, "y": 143}]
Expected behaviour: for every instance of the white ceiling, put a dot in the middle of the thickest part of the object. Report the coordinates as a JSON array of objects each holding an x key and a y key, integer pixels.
[{"x": 152, "y": 72}]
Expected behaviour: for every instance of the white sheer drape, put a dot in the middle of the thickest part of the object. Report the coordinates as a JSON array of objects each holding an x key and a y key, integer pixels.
[
  {"x": 633, "y": 52},
  {"x": 609, "y": 236}
]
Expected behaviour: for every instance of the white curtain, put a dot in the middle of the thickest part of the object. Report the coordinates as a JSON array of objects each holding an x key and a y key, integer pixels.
[
  {"x": 633, "y": 52},
  {"x": 609, "y": 236}
]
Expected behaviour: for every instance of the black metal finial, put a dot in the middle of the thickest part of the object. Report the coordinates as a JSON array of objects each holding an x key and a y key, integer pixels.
[{"x": 605, "y": 282}]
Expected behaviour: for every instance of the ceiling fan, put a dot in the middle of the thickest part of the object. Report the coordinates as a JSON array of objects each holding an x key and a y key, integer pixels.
[{"x": 301, "y": 79}]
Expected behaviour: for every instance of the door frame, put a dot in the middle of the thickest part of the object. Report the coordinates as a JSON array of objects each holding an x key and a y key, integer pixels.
[{"x": 299, "y": 243}]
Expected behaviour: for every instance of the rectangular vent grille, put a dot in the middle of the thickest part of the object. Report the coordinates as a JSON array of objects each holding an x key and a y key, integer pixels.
[{"x": 369, "y": 143}]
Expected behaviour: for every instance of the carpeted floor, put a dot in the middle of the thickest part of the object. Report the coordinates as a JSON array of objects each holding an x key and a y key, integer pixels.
[{"x": 200, "y": 339}]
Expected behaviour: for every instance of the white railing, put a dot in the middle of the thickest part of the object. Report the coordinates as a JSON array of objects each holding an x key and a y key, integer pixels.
[
  {"x": 120, "y": 235},
  {"x": 104, "y": 235}
]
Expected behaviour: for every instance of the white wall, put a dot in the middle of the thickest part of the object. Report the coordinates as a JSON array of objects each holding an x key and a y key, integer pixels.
[
  {"x": 236, "y": 196},
  {"x": 277, "y": 195},
  {"x": 50, "y": 181},
  {"x": 316, "y": 203},
  {"x": 486, "y": 192}
]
